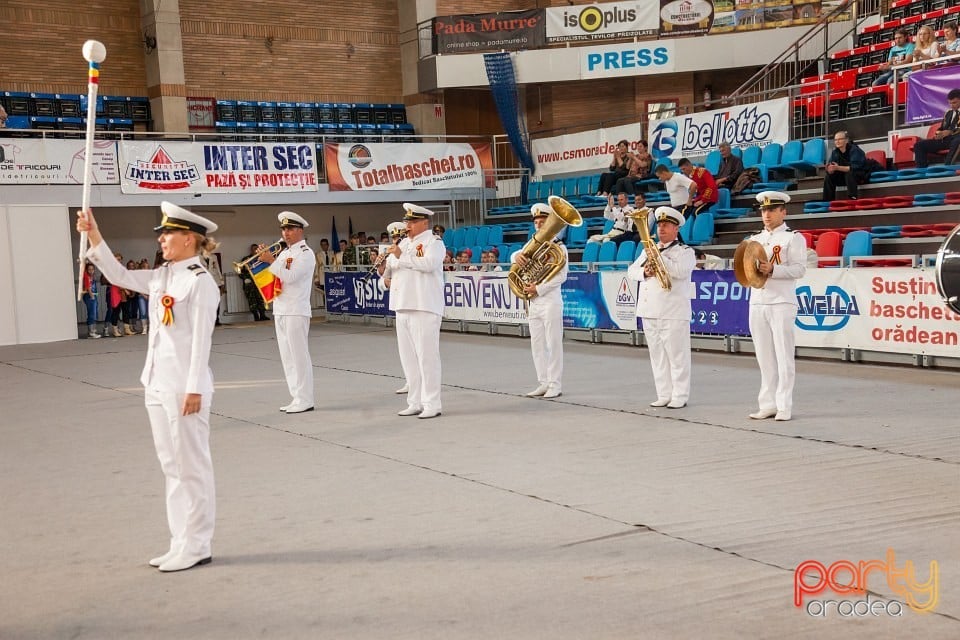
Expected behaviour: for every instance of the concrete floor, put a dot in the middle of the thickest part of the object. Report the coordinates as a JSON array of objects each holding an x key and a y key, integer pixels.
[{"x": 590, "y": 516}]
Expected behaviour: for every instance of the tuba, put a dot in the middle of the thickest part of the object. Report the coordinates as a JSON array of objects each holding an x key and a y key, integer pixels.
[
  {"x": 642, "y": 222},
  {"x": 546, "y": 258}
]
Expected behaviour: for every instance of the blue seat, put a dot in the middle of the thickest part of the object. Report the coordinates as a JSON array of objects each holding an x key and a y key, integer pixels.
[
  {"x": 814, "y": 156},
  {"x": 593, "y": 184},
  {"x": 533, "y": 191},
  {"x": 737, "y": 151},
  {"x": 595, "y": 223},
  {"x": 626, "y": 250},
  {"x": 856, "y": 244},
  {"x": 470, "y": 236},
  {"x": 702, "y": 232},
  {"x": 886, "y": 231},
  {"x": 505, "y": 254},
  {"x": 941, "y": 171},
  {"x": 455, "y": 238},
  {"x": 723, "y": 198},
  {"x": 570, "y": 187},
  {"x": 495, "y": 235},
  {"x": 884, "y": 176},
  {"x": 556, "y": 187},
  {"x": 591, "y": 251},
  {"x": 928, "y": 199},
  {"x": 608, "y": 253},
  {"x": 583, "y": 186},
  {"x": 816, "y": 206},
  {"x": 576, "y": 237},
  {"x": 477, "y": 252},
  {"x": 791, "y": 152},
  {"x": 712, "y": 162},
  {"x": 911, "y": 173},
  {"x": 607, "y": 225},
  {"x": 483, "y": 235},
  {"x": 751, "y": 156},
  {"x": 638, "y": 251},
  {"x": 686, "y": 231},
  {"x": 723, "y": 210}
]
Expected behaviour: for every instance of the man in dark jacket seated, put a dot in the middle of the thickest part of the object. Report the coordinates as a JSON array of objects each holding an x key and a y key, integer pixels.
[
  {"x": 730, "y": 167},
  {"x": 947, "y": 137},
  {"x": 847, "y": 166}
]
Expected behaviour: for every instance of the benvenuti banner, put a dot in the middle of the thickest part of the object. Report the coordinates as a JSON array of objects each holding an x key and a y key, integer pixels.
[
  {"x": 36, "y": 161},
  {"x": 421, "y": 165},
  {"x": 698, "y": 134},
  {"x": 216, "y": 167},
  {"x": 582, "y": 152}
]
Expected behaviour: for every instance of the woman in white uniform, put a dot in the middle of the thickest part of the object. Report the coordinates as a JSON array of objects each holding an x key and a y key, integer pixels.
[{"x": 178, "y": 383}]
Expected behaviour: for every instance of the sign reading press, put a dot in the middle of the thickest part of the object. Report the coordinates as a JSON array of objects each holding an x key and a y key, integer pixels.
[{"x": 698, "y": 134}]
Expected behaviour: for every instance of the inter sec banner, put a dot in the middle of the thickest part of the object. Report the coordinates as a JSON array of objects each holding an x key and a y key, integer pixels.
[
  {"x": 48, "y": 161},
  {"x": 389, "y": 166},
  {"x": 927, "y": 92},
  {"x": 582, "y": 152},
  {"x": 347, "y": 292},
  {"x": 509, "y": 30},
  {"x": 216, "y": 167},
  {"x": 607, "y": 21},
  {"x": 697, "y": 134},
  {"x": 893, "y": 310}
]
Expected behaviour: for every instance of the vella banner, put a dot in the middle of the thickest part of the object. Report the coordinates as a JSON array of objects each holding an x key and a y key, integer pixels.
[
  {"x": 582, "y": 152},
  {"x": 700, "y": 133},
  {"x": 46, "y": 161},
  {"x": 510, "y": 30},
  {"x": 927, "y": 92},
  {"x": 607, "y": 21},
  {"x": 388, "y": 166},
  {"x": 220, "y": 167}
]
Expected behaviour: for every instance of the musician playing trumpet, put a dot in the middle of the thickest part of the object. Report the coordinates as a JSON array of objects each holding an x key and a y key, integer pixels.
[
  {"x": 397, "y": 231},
  {"x": 666, "y": 310}
]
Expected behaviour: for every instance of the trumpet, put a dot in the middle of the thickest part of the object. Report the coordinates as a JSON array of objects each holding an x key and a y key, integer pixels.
[{"x": 274, "y": 250}]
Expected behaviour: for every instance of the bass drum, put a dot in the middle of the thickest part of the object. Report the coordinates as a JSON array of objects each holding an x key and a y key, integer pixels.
[{"x": 948, "y": 270}]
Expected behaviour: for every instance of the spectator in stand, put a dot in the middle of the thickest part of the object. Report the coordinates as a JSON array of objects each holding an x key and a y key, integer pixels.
[
  {"x": 682, "y": 190},
  {"x": 945, "y": 138},
  {"x": 439, "y": 230},
  {"x": 385, "y": 238},
  {"x": 708, "y": 262},
  {"x": 618, "y": 168},
  {"x": 622, "y": 229},
  {"x": 707, "y": 194},
  {"x": 900, "y": 52},
  {"x": 351, "y": 253},
  {"x": 730, "y": 167},
  {"x": 3, "y": 123},
  {"x": 448, "y": 262},
  {"x": 90, "y": 287},
  {"x": 638, "y": 168},
  {"x": 463, "y": 260},
  {"x": 846, "y": 167},
  {"x": 488, "y": 261},
  {"x": 644, "y": 159},
  {"x": 925, "y": 49},
  {"x": 951, "y": 43}
]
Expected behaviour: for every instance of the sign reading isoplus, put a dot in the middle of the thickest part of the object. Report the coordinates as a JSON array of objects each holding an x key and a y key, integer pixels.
[{"x": 605, "y": 21}]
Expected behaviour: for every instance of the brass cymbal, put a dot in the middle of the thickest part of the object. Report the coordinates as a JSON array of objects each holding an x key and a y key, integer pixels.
[{"x": 748, "y": 255}]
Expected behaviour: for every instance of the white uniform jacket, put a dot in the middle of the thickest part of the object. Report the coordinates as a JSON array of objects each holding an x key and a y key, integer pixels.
[
  {"x": 618, "y": 215},
  {"x": 294, "y": 266},
  {"x": 178, "y": 354},
  {"x": 652, "y": 300},
  {"x": 549, "y": 292},
  {"x": 417, "y": 282},
  {"x": 788, "y": 251}
]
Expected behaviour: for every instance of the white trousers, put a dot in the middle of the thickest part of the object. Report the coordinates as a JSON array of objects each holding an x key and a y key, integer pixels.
[
  {"x": 669, "y": 344},
  {"x": 771, "y": 326},
  {"x": 292, "y": 334},
  {"x": 418, "y": 339},
  {"x": 546, "y": 342},
  {"x": 183, "y": 448}
]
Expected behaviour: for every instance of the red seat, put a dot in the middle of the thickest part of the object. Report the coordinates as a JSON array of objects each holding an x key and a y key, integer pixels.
[
  {"x": 898, "y": 202},
  {"x": 922, "y": 231},
  {"x": 903, "y": 148},
  {"x": 886, "y": 262},
  {"x": 869, "y": 203},
  {"x": 879, "y": 156},
  {"x": 953, "y": 197},
  {"x": 828, "y": 246},
  {"x": 843, "y": 205},
  {"x": 808, "y": 237}
]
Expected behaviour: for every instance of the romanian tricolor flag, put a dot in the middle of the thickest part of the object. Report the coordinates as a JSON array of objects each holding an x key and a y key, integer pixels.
[{"x": 268, "y": 284}]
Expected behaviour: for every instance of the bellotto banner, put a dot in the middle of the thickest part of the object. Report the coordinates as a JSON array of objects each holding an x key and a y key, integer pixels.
[
  {"x": 220, "y": 167},
  {"x": 606, "y": 21},
  {"x": 387, "y": 166},
  {"x": 927, "y": 93},
  {"x": 489, "y": 32}
]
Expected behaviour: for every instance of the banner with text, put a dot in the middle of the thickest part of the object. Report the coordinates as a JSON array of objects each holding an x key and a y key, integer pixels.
[
  {"x": 893, "y": 310},
  {"x": 699, "y": 133},
  {"x": 627, "y": 59},
  {"x": 47, "y": 161},
  {"x": 481, "y": 296},
  {"x": 611, "y": 20},
  {"x": 927, "y": 93},
  {"x": 347, "y": 292},
  {"x": 685, "y": 17},
  {"x": 216, "y": 167},
  {"x": 387, "y": 166},
  {"x": 582, "y": 152},
  {"x": 510, "y": 30}
]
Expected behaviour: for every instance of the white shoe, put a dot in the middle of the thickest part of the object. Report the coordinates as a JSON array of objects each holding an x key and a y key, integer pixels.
[
  {"x": 297, "y": 409},
  {"x": 410, "y": 411},
  {"x": 429, "y": 413},
  {"x": 94, "y": 334},
  {"x": 659, "y": 403},
  {"x": 286, "y": 406},
  {"x": 782, "y": 416},
  {"x": 553, "y": 393},
  {"x": 404, "y": 389},
  {"x": 159, "y": 560},
  {"x": 146, "y": 330},
  {"x": 181, "y": 561},
  {"x": 676, "y": 404},
  {"x": 539, "y": 391},
  {"x": 763, "y": 414}
]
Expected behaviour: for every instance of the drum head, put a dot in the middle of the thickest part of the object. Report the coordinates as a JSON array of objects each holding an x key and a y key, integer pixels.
[{"x": 948, "y": 270}]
